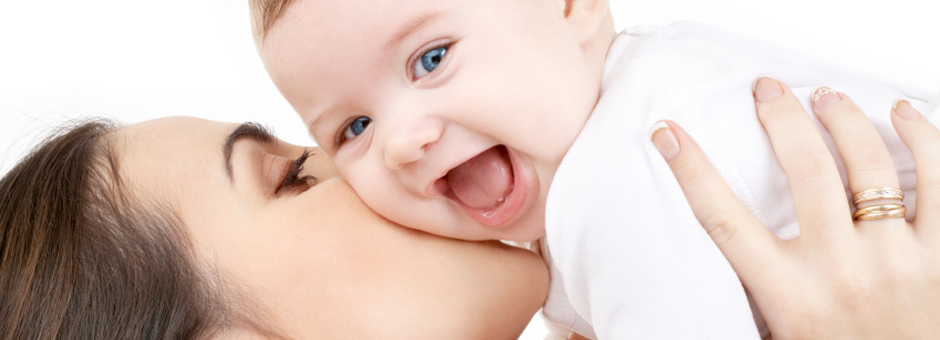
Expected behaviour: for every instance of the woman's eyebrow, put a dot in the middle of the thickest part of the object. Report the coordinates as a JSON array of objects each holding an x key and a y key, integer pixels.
[{"x": 250, "y": 130}]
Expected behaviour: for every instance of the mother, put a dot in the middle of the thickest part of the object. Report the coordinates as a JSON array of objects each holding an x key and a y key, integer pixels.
[{"x": 181, "y": 228}]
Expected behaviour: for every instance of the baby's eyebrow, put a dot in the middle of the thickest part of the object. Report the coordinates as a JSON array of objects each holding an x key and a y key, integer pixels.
[{"x": 409, "y": 28}]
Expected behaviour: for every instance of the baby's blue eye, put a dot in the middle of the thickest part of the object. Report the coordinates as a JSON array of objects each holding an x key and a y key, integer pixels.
[
  {"x": 429, "y": 61},
  {"x": 356, "y": 127}
]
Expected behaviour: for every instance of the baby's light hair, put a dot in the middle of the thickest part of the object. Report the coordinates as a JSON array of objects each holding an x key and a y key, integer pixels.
[{"x": 264, "y": 14}]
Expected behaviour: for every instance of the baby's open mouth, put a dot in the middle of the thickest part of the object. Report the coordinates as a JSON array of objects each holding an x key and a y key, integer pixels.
[{"x": 484, "y": 181}]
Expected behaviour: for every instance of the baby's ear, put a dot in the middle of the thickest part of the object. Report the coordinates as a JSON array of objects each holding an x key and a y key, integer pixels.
[{"x": 586, "y": 16}]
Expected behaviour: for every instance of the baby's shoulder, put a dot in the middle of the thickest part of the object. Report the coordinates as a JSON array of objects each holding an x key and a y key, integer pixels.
[
  {"x": 687, "y": 48},
  {"x": 689, "y": 35}
]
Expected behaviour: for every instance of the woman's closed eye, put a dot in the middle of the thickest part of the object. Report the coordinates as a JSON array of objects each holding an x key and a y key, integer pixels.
[
  {"x": 353, "y": 129},
  {"x": 292, "y": 179},
  {"x": 429, "y": 61}
]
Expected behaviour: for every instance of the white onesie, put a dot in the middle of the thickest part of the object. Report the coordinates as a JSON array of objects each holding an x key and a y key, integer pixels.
[{"x": 628, "y": 259}]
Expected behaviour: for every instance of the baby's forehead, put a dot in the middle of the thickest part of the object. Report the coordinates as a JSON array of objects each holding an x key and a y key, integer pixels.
[{"x": 353, "y": 13}]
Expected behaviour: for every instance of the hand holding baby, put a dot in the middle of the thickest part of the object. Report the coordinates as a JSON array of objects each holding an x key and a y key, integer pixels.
[{"x": 874, "y": 276}]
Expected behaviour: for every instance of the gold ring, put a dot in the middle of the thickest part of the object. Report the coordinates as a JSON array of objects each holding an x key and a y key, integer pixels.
[
  {"x": 880, "y": 211},
  {"x": 877, "y": 194}
]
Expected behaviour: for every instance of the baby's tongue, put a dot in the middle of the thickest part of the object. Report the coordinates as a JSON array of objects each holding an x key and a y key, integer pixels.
[{"x": 483, "y": 181}]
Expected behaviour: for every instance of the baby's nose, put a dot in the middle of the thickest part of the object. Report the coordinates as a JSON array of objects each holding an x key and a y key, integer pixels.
[{"x": 406, "y": 143}]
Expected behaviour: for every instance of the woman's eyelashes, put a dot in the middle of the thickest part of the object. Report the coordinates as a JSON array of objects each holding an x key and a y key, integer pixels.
[
  {"x": 353, "y": 129},
  {"x": 429, "y": 61},
  {"x": 292, "y": 179}
]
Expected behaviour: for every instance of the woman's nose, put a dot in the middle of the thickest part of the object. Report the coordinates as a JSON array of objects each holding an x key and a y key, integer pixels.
[{"x": 406, "y": 143}]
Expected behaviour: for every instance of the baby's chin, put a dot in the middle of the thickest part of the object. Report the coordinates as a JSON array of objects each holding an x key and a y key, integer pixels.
[
  {"x": 530, "y": 232},
  {"x": 527, "y": 226}
]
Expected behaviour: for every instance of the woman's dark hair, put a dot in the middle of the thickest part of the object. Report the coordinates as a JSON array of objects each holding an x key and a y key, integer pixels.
[{"x": 80, "y": 259}]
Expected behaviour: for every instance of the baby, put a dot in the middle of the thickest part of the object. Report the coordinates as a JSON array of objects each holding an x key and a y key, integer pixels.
[{"x": 528, "y": 119}]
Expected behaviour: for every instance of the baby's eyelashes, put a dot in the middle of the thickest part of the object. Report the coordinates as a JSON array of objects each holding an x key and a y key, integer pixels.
[{"x": 353, "y": 129}]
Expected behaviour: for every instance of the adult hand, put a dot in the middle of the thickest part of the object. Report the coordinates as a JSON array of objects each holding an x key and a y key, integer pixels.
[{"x": 842, "y": 278}]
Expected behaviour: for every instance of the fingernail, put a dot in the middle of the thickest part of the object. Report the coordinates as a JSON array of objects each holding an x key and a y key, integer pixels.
[
  {"x": 905, "y": 110},
  {"x": 664, "y": 140},
  {"x": 766, "y": 88},
  {"x": 762, "y": 76},
  {"x": 824, "y": 96}
]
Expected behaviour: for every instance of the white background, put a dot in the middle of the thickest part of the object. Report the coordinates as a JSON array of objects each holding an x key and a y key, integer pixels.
[{"x": 137, "y": 60}]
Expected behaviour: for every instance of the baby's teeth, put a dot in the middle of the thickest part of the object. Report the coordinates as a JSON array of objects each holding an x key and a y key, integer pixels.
[{"x": 500, "y": 201}]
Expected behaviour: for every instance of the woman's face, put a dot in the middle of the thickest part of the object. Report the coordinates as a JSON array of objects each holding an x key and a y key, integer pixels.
[{"x": 319, "y": 261}]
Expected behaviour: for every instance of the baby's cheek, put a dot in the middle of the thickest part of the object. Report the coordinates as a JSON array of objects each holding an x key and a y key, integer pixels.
[{"x": 321, "y": 166}]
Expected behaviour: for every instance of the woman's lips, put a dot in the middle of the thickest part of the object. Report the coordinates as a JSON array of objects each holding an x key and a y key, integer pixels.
[{"x": 489, "y": 187}]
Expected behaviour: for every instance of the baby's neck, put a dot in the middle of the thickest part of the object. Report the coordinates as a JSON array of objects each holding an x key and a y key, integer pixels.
[
  {"x": 595, "y": 54},
  {"x": 595, "y": 50}
]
